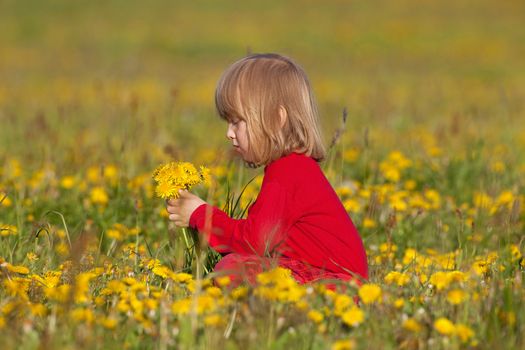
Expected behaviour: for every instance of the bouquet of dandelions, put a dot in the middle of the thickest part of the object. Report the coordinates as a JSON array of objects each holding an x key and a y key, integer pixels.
[{"x": 172, "y": 177}]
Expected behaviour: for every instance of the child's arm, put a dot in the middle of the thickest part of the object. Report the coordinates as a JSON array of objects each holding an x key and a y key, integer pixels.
[{"x": 260, "y": 233}]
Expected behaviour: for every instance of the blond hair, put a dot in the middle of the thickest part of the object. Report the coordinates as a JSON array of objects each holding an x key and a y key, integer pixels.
[{"x": 253, "y": 89}]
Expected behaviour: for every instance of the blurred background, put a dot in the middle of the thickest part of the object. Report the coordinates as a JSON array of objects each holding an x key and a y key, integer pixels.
[
  {"x": 430, "y": 165},
  {"x": 132, "y": 82}
]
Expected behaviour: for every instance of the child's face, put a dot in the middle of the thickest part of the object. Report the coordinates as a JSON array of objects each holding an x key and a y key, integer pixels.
[{"x": 238, "y": 135}]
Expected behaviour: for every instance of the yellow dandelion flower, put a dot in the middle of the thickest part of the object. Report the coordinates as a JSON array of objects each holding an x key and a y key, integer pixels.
[
  {"x": 482, "y": 200},
  {"x": 410, "y": 185},
  {"x": 440, "y": 280},
  {"x": 397, "y": 277},
  {"x": 389, "y": 172},
  {"x": 239, "y": 292},
  {"x": 291, "y": 294},
  {"x": 343, "y": 191},
  {"x": 109, "y": 323},
  {"x": 223, "y": 281},
  {"x": 341, "y": 303},
  {"x": 6, "y": 230},
  {"x": 399, "y": 159},
  {"x": 397, "y": 202},
  {"x": 205, "y": 175},
  {"x": 347, "y": 344},
  {"x": 369, "y": 223},
  {"x": 434, "y": 151},
  {"x": 67, "y": 182},
  {"x": 182, "y": 277},
  {"x": 387, "y": 248},
  {"x": 99, "y": 301},
  {"x": 114, "y": 234},
  {"x": 61, "y": 293},
  {"x": 464, "y": 332},
  {"x": 32, "y": 256},
  {"x": 161, "y": 271},
  {"x": 98, "y": 195},
  {"x": 5, "y": 201},
  {"x": 351, "y": 155},
  {"x": 321, "y": 328},
  {"x": 365, "y": 193},
  {"x": 16, "y": 269},
  {"x": 444, "y": 326},
  {"x": 9, "y": 307},
  {"x": 166, "y": 189},
  {"x": 137, "y": 305},
  {"x": 353, "y": 317},
  {"x": 351, "y": 205},
  {"x": 497, "y": 167},
  {"x": 38, "y": 309},
  {"x": 506, "y": 198},
  {"x": 399, "y": 303},
  {"x": 412, "y": 325},
  {"x": 481, "y": 267},
  {"x": 173, "y": 176},
  {"x": 315, "y": 316},
  {"x": 83, "y": 315},
  {"x": 433, "y": 197},
  {"x": 457, "y": 276},
  {"x": 275, "y": 275},
  {"x": 515, "y": 251},
  {"x": 93, "y": 174},
  {"x": 151, "y": 304},
  {"x": 82, "y": 294},
  {"x": 61, "y": 233},
  {"x": 17, "y": 287},
  {"x": 123, "y": 306},
  {"x": 214, "y": 291},
  {"x": 213, "y": 320},
  {"x": 370, "y": 293},
  {"x": 62, "y": 249},
  {"x": 111, "y": 173},
  {"x": 206, "y": 303},
  {"x": 456, "y": 296}
]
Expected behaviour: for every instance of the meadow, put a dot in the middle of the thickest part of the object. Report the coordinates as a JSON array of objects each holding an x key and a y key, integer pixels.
[{"x": 423, "y": 110}]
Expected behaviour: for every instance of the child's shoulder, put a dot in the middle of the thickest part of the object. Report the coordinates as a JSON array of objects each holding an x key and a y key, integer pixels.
[{"x": 292, "y": 163}]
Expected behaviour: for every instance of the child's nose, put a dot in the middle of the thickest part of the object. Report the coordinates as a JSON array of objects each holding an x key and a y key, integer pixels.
[{"x": 229, "y": 133}]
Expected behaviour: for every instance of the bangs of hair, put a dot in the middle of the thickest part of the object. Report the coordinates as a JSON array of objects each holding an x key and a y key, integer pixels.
[{"x": 227, "y": 95}]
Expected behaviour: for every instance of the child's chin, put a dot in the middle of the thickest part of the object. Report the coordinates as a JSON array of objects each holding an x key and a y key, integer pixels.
[
  {"x": 241, "y": 154},
  {"x": 248, "y": 161}
]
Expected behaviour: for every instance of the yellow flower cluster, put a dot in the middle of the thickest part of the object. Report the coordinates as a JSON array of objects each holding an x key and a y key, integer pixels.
[
  {"x": 392, "y": 167},
  {"x": 6, "y": 230},
  {"x": 175, "y": 176},
  {"x": 148, "y": 291},
  {"x": 278, "y": 285},
  {"x": 447, "y": 328},
  {"x": 124, "y": 279}
]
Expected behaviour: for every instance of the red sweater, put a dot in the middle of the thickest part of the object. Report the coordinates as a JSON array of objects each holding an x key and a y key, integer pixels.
[{"x": 297, "y": 215}]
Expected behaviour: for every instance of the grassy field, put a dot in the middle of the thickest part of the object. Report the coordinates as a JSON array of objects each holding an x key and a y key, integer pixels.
[{"x": 430, "y": 166}]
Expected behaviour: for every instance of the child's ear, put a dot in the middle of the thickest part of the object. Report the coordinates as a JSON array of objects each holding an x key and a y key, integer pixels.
[{"x": 283, "y": 115}]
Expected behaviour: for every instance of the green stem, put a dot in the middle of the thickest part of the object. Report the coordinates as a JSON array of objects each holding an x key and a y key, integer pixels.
[{"x": 186, "y": 240}]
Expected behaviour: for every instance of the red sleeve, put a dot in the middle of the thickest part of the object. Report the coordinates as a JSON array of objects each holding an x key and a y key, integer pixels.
[{"x": 260, "y": 233}]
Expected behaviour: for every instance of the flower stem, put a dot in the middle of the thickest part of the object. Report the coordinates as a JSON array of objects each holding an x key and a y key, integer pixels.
[{"x": 186, "y": 239}]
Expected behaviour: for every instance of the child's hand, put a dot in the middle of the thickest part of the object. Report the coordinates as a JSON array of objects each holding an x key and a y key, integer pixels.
[{"x": 180, "y": 209}]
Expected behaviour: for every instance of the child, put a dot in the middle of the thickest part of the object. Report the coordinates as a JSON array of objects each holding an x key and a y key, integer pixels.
[{"x": 297, "y": 219}]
